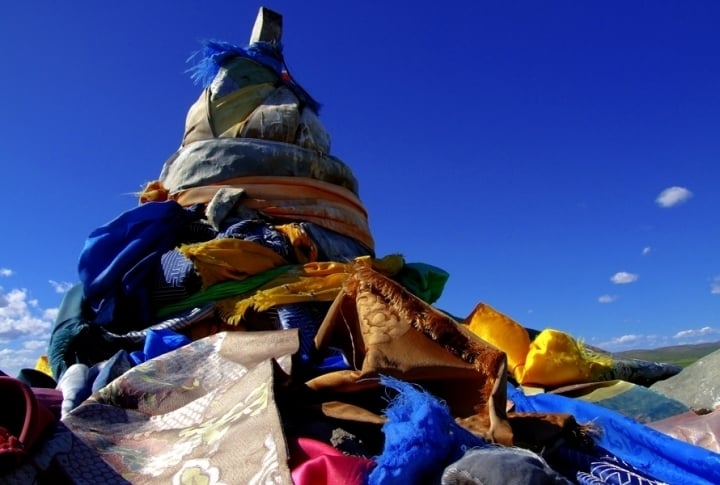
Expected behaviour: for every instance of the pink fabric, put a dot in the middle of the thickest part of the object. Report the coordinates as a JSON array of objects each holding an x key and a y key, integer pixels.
[{"x": 314, "y": 462}]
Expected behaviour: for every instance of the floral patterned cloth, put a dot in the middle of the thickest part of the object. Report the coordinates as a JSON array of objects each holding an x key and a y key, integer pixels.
[{"x": 204, "y": 413}]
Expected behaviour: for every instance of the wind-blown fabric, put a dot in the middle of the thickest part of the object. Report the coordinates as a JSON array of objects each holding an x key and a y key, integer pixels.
[{"x": 658, "y": 455}]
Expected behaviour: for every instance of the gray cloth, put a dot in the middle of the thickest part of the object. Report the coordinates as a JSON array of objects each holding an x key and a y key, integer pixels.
[
  {"x": 697, "y": 386},
  {"x": 209, "y": 161},
  {"x": 497, "y": 465}
]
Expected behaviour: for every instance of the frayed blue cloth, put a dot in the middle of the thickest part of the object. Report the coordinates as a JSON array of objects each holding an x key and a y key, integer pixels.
[
  {"x": 421, "y": 438},
  {"x": 656, "y": 454},
  {"x": 214, "y": 53}
]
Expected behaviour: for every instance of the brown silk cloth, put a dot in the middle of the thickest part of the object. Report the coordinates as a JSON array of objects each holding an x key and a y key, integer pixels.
[{"x": 388, "y": 331}]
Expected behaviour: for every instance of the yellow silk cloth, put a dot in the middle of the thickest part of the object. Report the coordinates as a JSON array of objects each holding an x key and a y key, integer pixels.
[
  {"x": 501, "y": 331},
  {"x": 552, "y": 359},
  {"x": 230, "y": 259},
  {"x": 43, "y": 365},
  {"x": 556, "y": 359},
  {"x": 285, "y": 198},
  {"x": 319, "y": 281}
]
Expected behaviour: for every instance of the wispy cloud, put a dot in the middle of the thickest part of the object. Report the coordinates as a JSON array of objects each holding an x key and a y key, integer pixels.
[
  {"x": 625, "y": 339},
  {"x": 634, "y": 341},
  {"x": 673, "y": 196},
  {"x": 715, "y": 285},
  {"x": 698, "y": 333},
  {"x": 623, "y": 278},
  {"x": 607, "y": 298},
  {"x": 646, "y": 250},
  {"x": 640, "y": 341},
  {"x": 6, "y": 272},
  {"x": 60, "y": 286}
]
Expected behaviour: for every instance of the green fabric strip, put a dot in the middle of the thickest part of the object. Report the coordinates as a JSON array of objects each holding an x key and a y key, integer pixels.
[{"x": 225, "y": 289}]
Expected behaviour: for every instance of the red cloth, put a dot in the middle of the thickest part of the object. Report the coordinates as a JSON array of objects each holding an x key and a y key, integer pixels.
[
  {"x": 22, "y": 418},
  {"x": 314, "y": 462}
]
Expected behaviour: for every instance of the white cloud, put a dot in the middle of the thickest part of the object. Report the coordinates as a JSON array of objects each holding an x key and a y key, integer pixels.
[
  {"x": 6, "y": 272},
  {"x": 646, "y": 250},
  {"x": 50, "y": 314},
  {"x": 24, "y": 330},
  {"x": 640, "y": 341},
  {"x": 697, "y": 333},
  {"x": 626, "y": 339},
  {"x": 60, "y": 286},
  {"x": 673, "y": 196},
  {"x": 715, "y": 286},
  {"x": 634, "y": 341},
  {"x": 607, "y": 298},
  {"x": 19, "y": 317},
  {"x": 623, "y": 278}
]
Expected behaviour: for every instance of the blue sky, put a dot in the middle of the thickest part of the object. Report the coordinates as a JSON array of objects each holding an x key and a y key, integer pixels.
[{"x": 559, "y": 159}]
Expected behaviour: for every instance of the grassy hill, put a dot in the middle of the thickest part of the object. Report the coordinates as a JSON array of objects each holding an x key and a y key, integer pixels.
[{"x": 682, "y": 355}]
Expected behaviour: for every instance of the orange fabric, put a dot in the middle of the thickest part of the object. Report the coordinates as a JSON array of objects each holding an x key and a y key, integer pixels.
[
  {"x": 294, "y": 198},
  {"x": 154, "y": 192},
  {"x": 305, "y": 249}
]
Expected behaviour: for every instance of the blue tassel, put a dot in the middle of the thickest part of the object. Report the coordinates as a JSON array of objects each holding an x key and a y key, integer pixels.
[
  {"x": 214, "y": 53},
  {"x": 421, "y": 437}
]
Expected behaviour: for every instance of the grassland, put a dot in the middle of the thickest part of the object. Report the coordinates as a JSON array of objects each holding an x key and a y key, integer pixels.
[{"x": 682, "y": 355}]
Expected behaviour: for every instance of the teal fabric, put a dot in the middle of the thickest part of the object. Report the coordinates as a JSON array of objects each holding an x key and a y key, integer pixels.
[
  {"x": 423, "y": 280},
  {"x": 74, "y": 339}
]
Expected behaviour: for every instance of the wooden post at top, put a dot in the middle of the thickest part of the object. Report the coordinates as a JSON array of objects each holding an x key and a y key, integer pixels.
[{"x": 268, "y": 26}]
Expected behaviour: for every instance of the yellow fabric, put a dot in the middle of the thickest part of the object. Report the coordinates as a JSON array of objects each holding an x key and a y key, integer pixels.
[
  {"x": 318, "y": 281},
  {"x": 230, "y": 259},
  {"x": 43, "y": 365},
  {"x": 557, "y": 359},
  {"x": 305, "y": 249},
  {"x": 502, "y": 332}
]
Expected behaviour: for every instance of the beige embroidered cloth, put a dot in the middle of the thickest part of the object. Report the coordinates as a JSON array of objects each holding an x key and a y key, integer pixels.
[{"x": 204, "y": 413}]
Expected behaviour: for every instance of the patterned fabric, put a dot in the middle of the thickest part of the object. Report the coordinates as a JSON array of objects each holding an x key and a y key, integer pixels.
[
  {"x": 177, "y": 323},
  {"x": 63, "y": 458},
  {"x": 195, "y": 414},
  {"x": 604, "y": 468},
  {"x": 617, "y": 475},
  {"x": 637, "y": 402},
  {"x": 174, "y": 280},
  {"x": 306, "y": 317}
]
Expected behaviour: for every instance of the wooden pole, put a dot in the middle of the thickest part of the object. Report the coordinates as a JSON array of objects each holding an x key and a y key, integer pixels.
[{"x": 268, "y": 26}]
